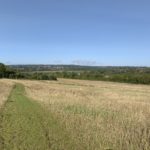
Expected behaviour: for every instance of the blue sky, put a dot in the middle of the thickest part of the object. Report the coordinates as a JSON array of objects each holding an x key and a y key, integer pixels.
[{"x": 85, "y": 32}]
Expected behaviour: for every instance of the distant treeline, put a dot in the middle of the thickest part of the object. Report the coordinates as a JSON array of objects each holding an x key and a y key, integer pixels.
[
  {"x": 128, "y": 77},
  {"x": 6, "y": 72},
  {"x": 75, "y": 68},
  {"x": 29, "y": 68},
  {"x": 137, "y": 75}
]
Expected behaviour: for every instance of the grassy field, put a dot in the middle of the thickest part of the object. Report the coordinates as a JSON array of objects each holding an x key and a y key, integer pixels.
[
  {"x": 74, "y": 114},
  {"x": 5, "y": 88}
]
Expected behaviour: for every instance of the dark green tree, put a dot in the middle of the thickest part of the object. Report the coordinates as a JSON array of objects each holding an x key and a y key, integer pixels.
[{"x": 2, "y": 70}]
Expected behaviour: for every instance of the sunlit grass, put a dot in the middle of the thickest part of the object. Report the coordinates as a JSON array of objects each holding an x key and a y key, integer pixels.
[
  {"x": 25, "y": 125},
  {"x": 98, "y": 115},
  {"x": 93, "y": 115},
  {"x": 5, "y": 88}
]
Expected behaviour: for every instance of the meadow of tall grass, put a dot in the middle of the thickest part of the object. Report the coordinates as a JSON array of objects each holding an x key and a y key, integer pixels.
[
  {"x": 5, "y": 88},
  {"x": 97, "y": 115}
]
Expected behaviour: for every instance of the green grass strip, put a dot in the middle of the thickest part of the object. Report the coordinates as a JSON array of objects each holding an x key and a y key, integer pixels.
[{"x": 26, "y": 125}]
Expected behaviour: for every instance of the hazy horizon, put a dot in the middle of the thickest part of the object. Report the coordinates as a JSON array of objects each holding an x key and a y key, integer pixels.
[{"x": 78, "y": 65}]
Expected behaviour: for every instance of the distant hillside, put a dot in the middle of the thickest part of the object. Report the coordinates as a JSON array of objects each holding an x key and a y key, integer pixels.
[
  {"x": 80, "y": 68},
  {"x": 49, "y": 67},
  {"x": 136, "y": 75}
]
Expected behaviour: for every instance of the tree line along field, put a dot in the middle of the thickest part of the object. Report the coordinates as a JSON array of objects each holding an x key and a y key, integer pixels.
[
  {"x": 74, "y": 115},
  {"x": 136, "y": 75}
]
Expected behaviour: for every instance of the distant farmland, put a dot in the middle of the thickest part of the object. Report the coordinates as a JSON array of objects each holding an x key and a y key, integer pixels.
[
  {"x": 128, "y": 74},
  {"x": 74, "y": 115}
]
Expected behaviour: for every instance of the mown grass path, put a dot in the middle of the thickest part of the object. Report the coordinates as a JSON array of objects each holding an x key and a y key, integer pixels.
[{"x": 26, "y": 125}]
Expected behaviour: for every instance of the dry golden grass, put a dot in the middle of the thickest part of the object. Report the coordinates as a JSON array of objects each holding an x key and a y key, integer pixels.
[
  {"x": 98, "y": 115},
  {"x": 5, "y": 88}
]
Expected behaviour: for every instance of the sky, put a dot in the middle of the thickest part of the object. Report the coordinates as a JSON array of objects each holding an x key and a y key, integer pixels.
[{"x": 82, "y": 32}]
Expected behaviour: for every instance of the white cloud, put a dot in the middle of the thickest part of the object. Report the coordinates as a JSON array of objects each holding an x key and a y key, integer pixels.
[{"x": 85, "y": 62}]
